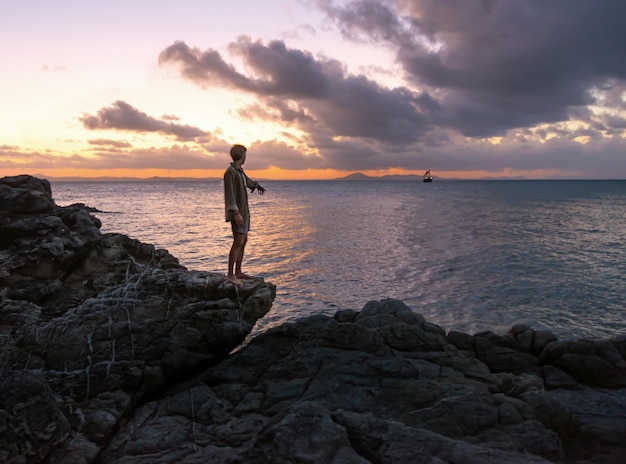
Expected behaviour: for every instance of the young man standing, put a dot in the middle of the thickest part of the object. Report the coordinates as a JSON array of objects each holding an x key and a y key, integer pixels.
[{"x": 237, "y": 210}]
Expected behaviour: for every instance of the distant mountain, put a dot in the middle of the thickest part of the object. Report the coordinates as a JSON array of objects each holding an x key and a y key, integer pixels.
[
  {"x": 359, "y": 176},
  {"x": 355, "y": 176}
]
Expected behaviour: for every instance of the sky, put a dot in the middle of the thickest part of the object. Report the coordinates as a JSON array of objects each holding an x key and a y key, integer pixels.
[{"x": 315, "y": 89}]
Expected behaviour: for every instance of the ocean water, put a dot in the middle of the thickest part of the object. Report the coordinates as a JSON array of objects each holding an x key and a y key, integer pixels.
[{"x": 467, "y": 255}]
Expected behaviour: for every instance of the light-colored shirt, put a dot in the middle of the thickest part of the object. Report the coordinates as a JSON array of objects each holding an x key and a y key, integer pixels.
[{"x": 235, "y": 193}]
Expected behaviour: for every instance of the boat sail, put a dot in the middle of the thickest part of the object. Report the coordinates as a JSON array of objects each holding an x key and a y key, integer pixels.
[{"x": 427, "y": 176}]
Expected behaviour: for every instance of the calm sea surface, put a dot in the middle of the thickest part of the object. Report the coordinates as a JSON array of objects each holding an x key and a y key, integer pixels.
[{"x": 468, "y": 255}]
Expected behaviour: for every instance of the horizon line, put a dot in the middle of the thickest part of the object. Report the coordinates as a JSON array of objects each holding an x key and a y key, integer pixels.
[{"x": 354, "y": 177}]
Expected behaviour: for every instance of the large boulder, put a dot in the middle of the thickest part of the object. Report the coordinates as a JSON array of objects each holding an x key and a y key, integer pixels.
[
  {"x": 91, "y": 324},
  {"x": 377, "y": 386},
  {"x": 601, "y": 363}
]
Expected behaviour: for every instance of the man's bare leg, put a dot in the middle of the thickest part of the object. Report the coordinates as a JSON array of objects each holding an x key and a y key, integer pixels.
[{"x": 235, "y": 258}]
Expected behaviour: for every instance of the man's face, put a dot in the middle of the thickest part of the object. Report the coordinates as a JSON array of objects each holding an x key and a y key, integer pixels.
[{"x": 243, "y": 160}]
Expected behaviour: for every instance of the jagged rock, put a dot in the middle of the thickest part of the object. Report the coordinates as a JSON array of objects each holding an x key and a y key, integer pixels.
[
  {"x": 598, "y": 363},
  {"x": 25, "y": 195},
  {"x": 352, "y": 389},
  {"x": 553, "y": 378},
  {"x": 91, "y": 323},
  {"x": 489, "y": 349},
  {"x": 528, "y": 340},
  {"x": 111, "y": 352},
  {"x": 31, "y": 420}
]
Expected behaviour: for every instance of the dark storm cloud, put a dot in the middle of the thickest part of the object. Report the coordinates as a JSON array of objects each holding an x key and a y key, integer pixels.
[
  {"x": 308, "y": 92},
  {"x": 123, "y": 116},
  {"x": 356, "y": 154},
  {"x": 497, "y": 64},
  {"x": 281, "y": 72},
  {"x": 542, "y": 74},
  {"x": 263, "y": 155},
  {"x": 277, "y": 110}
]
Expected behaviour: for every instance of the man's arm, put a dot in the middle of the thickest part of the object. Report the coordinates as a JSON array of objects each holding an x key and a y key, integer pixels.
[{"x": 253, "y": 184}]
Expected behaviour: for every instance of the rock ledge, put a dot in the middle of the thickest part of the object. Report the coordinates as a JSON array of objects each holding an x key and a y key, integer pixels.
[
  {"x": 92, "y": 324},
  {"x": 111, "y": 352}
]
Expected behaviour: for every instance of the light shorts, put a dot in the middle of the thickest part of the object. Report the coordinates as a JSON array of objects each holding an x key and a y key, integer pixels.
[{"x": 242, "y": 229}]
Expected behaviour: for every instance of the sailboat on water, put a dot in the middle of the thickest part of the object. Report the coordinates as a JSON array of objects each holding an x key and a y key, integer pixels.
[{"x": 427, "y": 176}]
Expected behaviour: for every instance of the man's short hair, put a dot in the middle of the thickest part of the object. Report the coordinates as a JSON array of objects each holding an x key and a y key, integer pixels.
[{"x": 237, "y": 152}]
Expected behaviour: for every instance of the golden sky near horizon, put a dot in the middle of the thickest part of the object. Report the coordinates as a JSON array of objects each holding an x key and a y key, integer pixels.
[{"x": 315, "y": 89}]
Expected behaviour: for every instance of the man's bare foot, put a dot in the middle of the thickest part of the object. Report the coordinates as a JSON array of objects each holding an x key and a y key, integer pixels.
[
  {"x": 234, "y": 280},
  {"x": 243, "y": 275}
]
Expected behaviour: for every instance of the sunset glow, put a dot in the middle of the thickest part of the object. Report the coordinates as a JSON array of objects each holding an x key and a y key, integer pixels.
[{"x": 316, "y": 90}]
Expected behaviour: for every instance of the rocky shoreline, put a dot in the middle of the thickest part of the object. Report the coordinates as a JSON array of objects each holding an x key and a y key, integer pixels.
[{"x": 112, "y": 352}]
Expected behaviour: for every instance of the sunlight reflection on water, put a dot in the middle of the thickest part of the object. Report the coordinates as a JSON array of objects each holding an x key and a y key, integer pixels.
[{"x": 469, "y": 256}]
